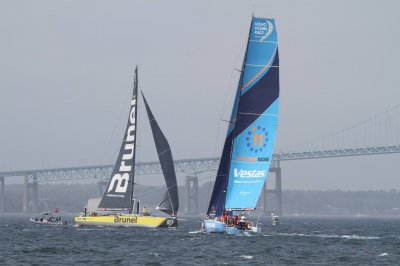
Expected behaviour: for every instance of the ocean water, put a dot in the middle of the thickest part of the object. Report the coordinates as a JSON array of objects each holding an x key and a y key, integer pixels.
[{"x": 300, "y": 241}]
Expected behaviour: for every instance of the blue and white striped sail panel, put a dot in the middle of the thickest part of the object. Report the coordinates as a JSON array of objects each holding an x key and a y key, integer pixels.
[{"x": 257, "y": 118}]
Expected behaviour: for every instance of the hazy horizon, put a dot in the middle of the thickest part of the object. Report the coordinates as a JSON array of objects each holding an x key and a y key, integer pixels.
[{"x": 67, "y": 74}]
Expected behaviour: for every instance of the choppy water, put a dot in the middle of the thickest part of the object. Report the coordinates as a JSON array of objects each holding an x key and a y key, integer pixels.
[{"x": 307, "y": 241}]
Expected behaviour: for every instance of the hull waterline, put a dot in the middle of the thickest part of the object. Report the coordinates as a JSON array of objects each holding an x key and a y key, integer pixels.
[
  {"x": 127, "y": 221},
  {"x": 215, "y": 226},
  {"x": 44, "y": 222}
]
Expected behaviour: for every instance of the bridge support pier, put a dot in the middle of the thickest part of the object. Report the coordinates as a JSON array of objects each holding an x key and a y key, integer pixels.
[
  {"x": 278, "y": 189},
  {"x": 35, "y": 195},
  {"x": 25, "y": 195},
  {"x": 30, "y": 191},
  {"x": 192, "y": 195},
  {"x": 277, "y": 209},
  {"x": 2, "y": 195},
  {"x": 101, "y": 184},
  {"x": 262, "y": 204}
]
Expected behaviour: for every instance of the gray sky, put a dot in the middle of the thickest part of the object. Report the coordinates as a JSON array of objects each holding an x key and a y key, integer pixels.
[{"x": 66, "y": 73}]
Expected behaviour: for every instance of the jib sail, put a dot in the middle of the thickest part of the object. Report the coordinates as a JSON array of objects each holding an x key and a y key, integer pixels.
[{"x": 170, "y": 202}]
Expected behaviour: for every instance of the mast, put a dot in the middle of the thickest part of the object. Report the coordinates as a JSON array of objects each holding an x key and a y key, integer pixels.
[
  {"x": 135, "y": 91},
  {"x": 119, "y": 191},
  {"x": 240, "y": 95},
  {"x": 218, "y": 198}
]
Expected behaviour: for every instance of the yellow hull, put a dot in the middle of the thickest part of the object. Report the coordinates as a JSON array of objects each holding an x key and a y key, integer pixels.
[{"x": 128, "y": 221}]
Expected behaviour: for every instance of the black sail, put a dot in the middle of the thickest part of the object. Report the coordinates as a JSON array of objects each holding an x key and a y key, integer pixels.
[
  {"x": 119, "y": 190},
  {"x": 170, "y": 202}
]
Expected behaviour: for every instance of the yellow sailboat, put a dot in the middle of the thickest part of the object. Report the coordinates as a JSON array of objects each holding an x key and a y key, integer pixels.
[
  {"x": 128, "y": 220},
  {"x": 117, "y": 206}
]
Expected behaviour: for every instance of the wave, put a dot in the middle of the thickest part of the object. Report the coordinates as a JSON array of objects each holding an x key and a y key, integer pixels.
[
  {"x": 248, "y": 257},
  {"x": 196, "y": 232},
  {"x": 359, "y": 237},
  {"x": 90, "y": 229},
  {"x": 328, "y": 236},
  {"x": 383, "y": 254}
]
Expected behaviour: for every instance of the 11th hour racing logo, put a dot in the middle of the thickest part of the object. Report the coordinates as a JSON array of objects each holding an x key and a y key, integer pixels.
[{"x": 248, "y": 173}]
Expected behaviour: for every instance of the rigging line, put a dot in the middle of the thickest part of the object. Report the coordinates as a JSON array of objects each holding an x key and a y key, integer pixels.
[
  {"x": 258, "y": 114},
  {"x": 348, "y": 128},
  {"x": 223, "y": 111},
  {"x": 162, "y": 187},
  {"x": 224, "y": 105},
  {"x": 116, "y": 123},
  {"x": 164, "y": 151},
  {"x": 138, "y": 140},
  {"x": 154, "y": 189},
  {"x": 150, "y": 190},
  {"x": 170, "y": 201}
]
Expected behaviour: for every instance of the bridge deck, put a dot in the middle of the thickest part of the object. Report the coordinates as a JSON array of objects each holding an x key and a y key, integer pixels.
[{"x": 189, "y": 166}]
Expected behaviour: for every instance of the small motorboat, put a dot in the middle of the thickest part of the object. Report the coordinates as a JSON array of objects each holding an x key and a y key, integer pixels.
[
  {"x": 48, "y": 219},
  {"x": 275, "y": 219}
]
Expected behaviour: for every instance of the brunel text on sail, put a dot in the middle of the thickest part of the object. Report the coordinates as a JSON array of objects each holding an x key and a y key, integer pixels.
[{"x": 122, "y": 178}]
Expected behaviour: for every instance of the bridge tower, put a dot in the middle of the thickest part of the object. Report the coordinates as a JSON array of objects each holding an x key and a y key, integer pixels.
[
  {"x": 192, "y": 195},
  {"x": 2, "y": 195},
  {"x": 33, "y": 196},
  {"x": 101, "y": 184},
  {"x": 25, "y": 195},
  {"x": 277, "y": 192}
]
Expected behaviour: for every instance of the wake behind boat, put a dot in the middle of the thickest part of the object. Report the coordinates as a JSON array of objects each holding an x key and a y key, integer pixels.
[
  {"x": 250, "y": 139},
  {"x": 119, "y": 206}
]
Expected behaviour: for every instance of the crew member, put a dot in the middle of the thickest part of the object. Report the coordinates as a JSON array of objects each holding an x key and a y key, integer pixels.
[
  {"x": 144, "y": 211},
  {"x": 242, "y": 221},
  {"x": 236, "y": 220}
]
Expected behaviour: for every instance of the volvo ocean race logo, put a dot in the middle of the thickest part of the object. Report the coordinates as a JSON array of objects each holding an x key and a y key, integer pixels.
[
  {"x": 263, "y": 29},
  {"x": 248, "y": 173},
  {"x": 121, "y": 179}
]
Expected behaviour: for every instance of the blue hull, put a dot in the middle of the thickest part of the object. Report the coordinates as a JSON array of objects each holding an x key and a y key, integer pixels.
[{"x": 214, "y": 226}]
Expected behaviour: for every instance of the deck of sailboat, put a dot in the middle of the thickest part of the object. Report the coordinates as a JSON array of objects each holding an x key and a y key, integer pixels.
[
  {"x": 127, "y": 221},
  {"x": 215, "y": 226}
]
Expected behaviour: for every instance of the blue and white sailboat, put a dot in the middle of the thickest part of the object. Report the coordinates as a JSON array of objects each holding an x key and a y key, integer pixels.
[{"x": 250, "y": 139}]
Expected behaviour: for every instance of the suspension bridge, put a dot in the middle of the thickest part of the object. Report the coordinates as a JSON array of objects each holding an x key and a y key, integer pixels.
[{"x": 377, "y": 135}]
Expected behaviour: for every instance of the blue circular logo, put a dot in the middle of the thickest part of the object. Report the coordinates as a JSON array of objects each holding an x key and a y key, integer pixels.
[{"x": 257, "y": 139}]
